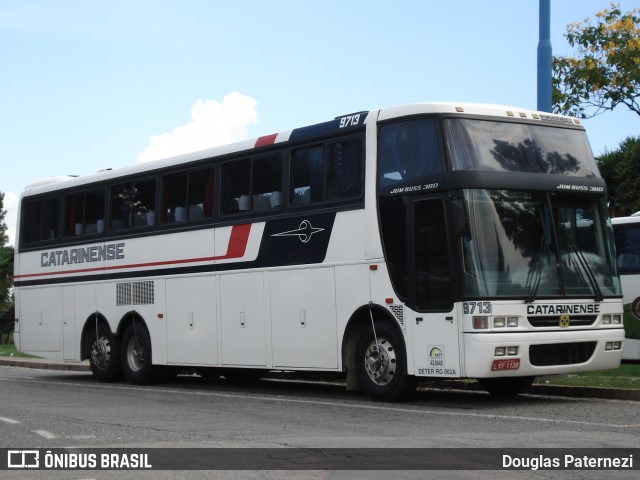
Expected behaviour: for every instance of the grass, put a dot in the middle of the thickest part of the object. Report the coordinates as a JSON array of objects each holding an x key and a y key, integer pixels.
[
  {"x": 626, "y": 376},
  {"x": 10, "y": 351}
]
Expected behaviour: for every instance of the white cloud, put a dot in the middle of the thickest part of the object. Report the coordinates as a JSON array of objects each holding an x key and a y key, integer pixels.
[
  {"x": 211, "y": 124},
  {"x": 11, "y": 218}
]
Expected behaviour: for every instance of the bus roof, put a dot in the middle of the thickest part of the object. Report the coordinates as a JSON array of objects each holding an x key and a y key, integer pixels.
[
  {"x": 357, "y": 121},
  {"x": 479, "y": 109}
]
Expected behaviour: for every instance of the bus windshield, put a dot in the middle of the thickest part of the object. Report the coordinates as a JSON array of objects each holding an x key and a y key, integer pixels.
[
  {"x": 519, "y": 147},
  {"x": 528, "y": 244}
]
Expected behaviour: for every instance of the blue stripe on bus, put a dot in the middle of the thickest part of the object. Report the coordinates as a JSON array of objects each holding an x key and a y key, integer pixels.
[{"x": 347, "y": 123}]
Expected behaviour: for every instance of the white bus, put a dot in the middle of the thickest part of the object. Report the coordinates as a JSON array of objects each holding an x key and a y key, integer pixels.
[
  {"x": 421, "y": 241},
  {"x": 627, "y": 238}
]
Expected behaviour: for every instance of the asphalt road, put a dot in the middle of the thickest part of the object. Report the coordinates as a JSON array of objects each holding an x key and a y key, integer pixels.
[{"x": 54, "y": 409}]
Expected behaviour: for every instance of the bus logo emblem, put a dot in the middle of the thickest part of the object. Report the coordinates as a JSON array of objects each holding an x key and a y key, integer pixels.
[
  {"x": 564, "y": 321},
  {"x": 304, "y": 232}
]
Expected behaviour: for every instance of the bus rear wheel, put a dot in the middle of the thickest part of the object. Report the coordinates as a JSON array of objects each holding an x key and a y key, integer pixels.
[
  {"x": 104, "y": 355},
  {"x": 382, "y": 367},
  {"x": 509, "y": 386},
  {"x": 136, "y": 355}
]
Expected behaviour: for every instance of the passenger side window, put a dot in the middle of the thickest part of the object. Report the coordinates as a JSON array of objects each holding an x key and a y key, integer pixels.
[
  {"x": 332, "y": 171},
  {"x": 41, "y": 221},
  {"x": 84, "y": 213},
  {"x": 307, "y": 175},
  {"x": 187, "y": 196},
  {"x": 628, "y": 248},
  {"x": 252, "y": 185},
  {"x": 133, "y": 205},
  {"x": 345, "y": 169}
]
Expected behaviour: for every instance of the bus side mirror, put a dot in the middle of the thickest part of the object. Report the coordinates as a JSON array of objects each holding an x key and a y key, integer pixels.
[{"x": 460, "y": 215}]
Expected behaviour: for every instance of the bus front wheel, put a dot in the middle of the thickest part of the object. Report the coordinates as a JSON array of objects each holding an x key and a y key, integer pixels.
[
  {"x": 382, "y": 366},
  {"x": 136, "y": 355}
]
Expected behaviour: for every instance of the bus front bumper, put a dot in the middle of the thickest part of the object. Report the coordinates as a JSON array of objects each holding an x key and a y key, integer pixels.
[{"x": 492, "y": 355}]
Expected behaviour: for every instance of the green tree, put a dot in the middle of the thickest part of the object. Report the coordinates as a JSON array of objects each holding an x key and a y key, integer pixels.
[
  {"x": 620, "y": 170},
  {"x": 6, "y": 275},
  {"x": 605, "y": 71}
]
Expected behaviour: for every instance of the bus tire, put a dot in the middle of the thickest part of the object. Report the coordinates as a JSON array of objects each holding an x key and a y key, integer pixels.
[
  {"x": 104, "y": 356},
  {"x": 382, "y": 372},
  {"x": 136, "y": 355},
  {"x": 508, "y": 386}
]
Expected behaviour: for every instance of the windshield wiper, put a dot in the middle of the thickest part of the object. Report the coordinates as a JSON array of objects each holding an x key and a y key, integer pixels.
[
  {"x": 536, "y": 272},
  {"x": 587, "y": 270}
]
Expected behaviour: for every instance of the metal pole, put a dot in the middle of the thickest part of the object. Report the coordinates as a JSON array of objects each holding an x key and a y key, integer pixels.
[{"x": 544, "y": 57}]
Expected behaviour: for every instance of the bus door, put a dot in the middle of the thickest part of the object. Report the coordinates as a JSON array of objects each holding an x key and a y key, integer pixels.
[{"x": 435, "y": 327}]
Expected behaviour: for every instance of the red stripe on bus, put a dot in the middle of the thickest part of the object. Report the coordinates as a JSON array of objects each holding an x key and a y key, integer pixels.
[
  {"x": 236, "y": 248},
  {"x": 237, "y": 242},
  {"x": 266, "y": 140}
]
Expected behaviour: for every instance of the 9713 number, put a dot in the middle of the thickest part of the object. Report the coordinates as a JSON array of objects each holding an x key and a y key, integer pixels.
[
  {"x": 350, "y": 121},
  {"x": 477, "y": 308}
]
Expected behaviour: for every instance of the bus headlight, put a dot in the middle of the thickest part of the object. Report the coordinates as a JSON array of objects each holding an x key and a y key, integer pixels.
[
  {"x": 617, "y": 319},
  {"x": 509, "y": 351},
  {"x": 501, "y": 322},
  {"x": 606, "y": 319}
]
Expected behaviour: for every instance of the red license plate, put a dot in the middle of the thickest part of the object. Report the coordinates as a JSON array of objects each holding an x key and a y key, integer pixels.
[{"x": 506, "y": 364}]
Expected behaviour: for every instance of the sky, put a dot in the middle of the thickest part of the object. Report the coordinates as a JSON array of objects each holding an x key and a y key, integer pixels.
[{"x": 88, "y": 85}]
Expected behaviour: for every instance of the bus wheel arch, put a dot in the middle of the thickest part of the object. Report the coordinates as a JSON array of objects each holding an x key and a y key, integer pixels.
[
  {"x": 382, "y": 377},
  {"x": 101, "y": 346}
]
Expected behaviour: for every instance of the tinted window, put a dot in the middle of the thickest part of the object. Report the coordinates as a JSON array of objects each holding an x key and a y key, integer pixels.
[
  {"x": 41, "y": 220},
  {"x": 332, "y": 171},
  {"x": 408, "y": 152},
  {"x": 133, "y": 205},
  {"x": 187, "y": 196},
  {"x": 252, "y": 184},
  {"x": 628, "y": 248},
  {"x": 84, "y": 213},
  {"x": 433, "y": 280},
  {"x": 519, "y": 147}
]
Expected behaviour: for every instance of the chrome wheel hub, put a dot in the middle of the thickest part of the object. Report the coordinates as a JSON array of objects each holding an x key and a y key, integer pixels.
[
  {"x": 101, "y": 352},
  {"x": 380, "y": 361}
]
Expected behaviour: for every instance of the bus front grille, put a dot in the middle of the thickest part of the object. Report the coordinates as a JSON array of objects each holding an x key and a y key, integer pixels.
[
  {"x": 561, "y": 353},
  {"x": 554, "y": 321}
]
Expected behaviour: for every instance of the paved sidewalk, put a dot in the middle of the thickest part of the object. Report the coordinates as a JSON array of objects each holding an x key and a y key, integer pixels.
[{"x": 536, "y": 389}]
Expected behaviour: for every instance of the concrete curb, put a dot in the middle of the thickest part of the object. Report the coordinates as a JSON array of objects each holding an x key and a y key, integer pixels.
[
  {"x": 586, "y": 392},
  {"x": 551, "y": 390},
  {"x": 44, "y": 364},
  {"x": 537, "y": 389}
]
